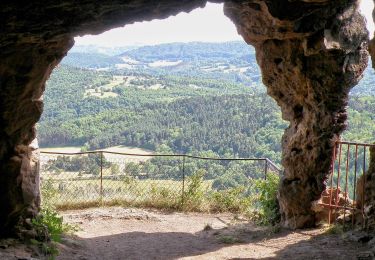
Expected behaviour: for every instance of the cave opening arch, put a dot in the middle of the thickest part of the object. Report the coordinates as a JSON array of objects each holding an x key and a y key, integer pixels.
[{"x": 308, "y": 52}]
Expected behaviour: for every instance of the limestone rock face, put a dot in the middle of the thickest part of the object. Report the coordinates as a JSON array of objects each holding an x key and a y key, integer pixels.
[
  {"x": 24, "y": 68},
  {"x": 34, "y": 37},
  {"x": 311, "y": 53}
]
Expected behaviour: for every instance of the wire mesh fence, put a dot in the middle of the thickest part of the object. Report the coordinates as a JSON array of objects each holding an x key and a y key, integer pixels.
[{"x": 72, "y": 180}]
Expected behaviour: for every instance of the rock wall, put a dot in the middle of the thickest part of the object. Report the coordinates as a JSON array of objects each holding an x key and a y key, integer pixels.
[
  {"x": 24, "y": 68},
  {"x": 311, "y": 53},
  {"x": 34, "y": 37}
]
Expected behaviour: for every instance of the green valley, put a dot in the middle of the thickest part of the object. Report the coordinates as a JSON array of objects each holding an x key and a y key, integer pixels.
[{"x": 182, "y": 98}]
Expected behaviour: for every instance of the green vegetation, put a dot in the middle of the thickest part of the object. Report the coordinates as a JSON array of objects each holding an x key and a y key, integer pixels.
[
  {"x": 361, "y": 119},
  {"x": 162, "y": 183},
  {"x": 265, "y": 200},
  {"x": 183, "y": 118},
  {"x": 89, "y": 164},
  {"x": 50, "y": 228},
  {"x": 185, "y": 112},
  {"x": 91, "y": 60},
  {"x": 335, "y": 229},
  {"x": 199, "y": 99},
  {"x": 191, "y": 51},
  {"x": 49, "y": 225}
]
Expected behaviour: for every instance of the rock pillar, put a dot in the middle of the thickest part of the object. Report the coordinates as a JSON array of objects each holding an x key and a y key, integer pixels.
[
  {"x": 311, "y": 53},
  {"x": 24, "y": 68}
]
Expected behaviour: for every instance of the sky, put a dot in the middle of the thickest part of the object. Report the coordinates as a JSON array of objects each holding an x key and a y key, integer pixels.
[{"x": 207, "y": 24}]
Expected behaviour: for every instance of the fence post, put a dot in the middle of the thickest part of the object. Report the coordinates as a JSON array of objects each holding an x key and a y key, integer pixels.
[
  {"x": 265, "y": 169},
  {"x": 183, "y": 181},
  {"x": 101, "y": 176},
  {"x": 331, "y": 186},
  {"x": 363, "y": 188}
]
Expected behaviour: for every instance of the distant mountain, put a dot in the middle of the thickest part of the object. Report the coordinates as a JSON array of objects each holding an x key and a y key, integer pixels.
[
  {"x": 233, "y": 61},
  {"x": 205, "y": 97},
  {"x": 230, "y": 61},
  {"x": 90, "y": 60},
  {"x": 110, "y": 51},
  {"x": 191, "y": 51}
]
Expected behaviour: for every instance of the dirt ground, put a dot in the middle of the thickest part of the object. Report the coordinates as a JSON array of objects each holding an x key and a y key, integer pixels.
[
  {"x": 119, "y": 233},
  {"x": 140, "y": 234}
]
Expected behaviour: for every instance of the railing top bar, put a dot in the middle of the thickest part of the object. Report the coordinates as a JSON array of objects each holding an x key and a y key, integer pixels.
[
  {"x": 273, "y": 164},
  {"x": 162, "y": 155},
  {"x": 355, "y": 143},
  {"x": 225, "y": 159},
  {"x": 68, "y": 153}
]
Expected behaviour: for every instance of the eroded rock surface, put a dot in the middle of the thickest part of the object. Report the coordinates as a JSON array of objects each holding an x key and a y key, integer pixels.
[
  {"x": 34, "y": 37},
  {"x": 311, "y": 53}
]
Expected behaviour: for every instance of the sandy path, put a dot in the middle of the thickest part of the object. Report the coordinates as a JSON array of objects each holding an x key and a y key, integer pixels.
[{"x": 117, "y": 233}]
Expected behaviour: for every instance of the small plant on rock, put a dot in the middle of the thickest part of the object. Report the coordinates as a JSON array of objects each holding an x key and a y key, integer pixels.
[{"x": 49, "y": 225}]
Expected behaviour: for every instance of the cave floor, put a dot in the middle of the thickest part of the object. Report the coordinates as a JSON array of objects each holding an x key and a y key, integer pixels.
[
  {"x": 119, "y": 233},
  {"x": 123, "y": 233}
]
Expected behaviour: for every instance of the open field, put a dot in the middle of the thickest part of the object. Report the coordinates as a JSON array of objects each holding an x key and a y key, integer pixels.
[
  {"x": 108, "y": 156},
  {"x": 66, "y": 149},
  {"x": 127, "y": 149},
  {"x": 118, "y": 149}
]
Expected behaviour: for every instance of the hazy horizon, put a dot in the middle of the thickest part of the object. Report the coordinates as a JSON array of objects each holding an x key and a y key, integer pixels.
[{"x": 144, "y": 44}]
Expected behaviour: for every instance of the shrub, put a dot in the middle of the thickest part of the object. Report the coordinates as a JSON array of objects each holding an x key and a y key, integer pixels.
[
  {"x": 49, "y": 226},
  {"x": 264, "y": 200},
  {"x": 49, "y": 219},
  {"x": 193, "y": 196},
  {"x": 48, "y": 192},
  {"x": 232, "y": 200},
  {"x": 164, "y": 197},
  {"x": 230, "y": 180}
]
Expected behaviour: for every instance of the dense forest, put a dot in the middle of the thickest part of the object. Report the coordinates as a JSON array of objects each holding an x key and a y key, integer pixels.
[{"x": 185, "y": 98}]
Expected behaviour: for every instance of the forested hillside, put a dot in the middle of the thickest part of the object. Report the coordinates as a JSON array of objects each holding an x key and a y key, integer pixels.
[
  {"x": 184, "y": 97},
  {"x": 194, "y": 51}
]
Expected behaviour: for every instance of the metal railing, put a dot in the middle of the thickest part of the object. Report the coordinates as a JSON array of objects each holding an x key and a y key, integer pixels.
[
  {"x": 165, "y": 180},
  {"x": 345, "y": 194}
]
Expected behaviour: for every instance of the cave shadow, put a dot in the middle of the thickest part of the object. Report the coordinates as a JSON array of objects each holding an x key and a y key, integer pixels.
[
  {"x": 157, "y": 245},
  {"x": 319, "y": 246},
  {"x": 284, "y": 244}
]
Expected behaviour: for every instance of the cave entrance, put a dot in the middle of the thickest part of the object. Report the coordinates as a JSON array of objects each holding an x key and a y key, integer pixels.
[
  {"x": 307, "y": 52},
  {"x": 118, "y": 71},
  {"x": 175, "y": 86}
]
